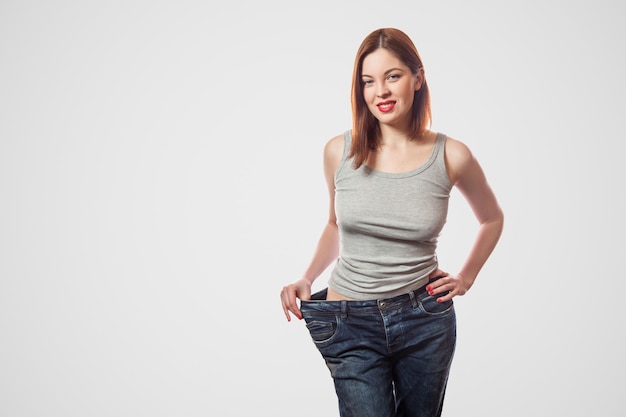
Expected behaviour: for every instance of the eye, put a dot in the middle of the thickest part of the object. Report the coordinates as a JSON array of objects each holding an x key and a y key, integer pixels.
[
  {"x": 367, "y": 82},
  {"x": 393, "y": 77}
]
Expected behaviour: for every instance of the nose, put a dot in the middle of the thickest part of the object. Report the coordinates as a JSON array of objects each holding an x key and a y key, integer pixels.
[{"x": 382, "y": 90}]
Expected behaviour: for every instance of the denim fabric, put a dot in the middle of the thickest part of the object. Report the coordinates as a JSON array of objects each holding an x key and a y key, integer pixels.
[{"x": 388, "y": 357}]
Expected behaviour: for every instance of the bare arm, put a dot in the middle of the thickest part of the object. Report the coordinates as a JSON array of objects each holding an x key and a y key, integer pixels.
[
  {"x": 327, "y": 248},
  {"x": 467, "y": 175}
]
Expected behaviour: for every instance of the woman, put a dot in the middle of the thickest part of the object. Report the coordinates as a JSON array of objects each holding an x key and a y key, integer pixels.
[{"x": 386, "y": 325}]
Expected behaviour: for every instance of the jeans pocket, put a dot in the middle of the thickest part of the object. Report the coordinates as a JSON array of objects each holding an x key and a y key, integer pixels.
[
  {"x": 322, "y": 329},
  {"x": 430, "y": 305}
]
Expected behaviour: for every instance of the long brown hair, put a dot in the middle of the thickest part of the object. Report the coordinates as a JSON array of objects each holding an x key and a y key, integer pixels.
[{"x": 365, "y": 127}]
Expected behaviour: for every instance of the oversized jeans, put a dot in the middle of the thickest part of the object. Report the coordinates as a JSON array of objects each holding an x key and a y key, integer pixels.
[{"x": 388, "y": 357}]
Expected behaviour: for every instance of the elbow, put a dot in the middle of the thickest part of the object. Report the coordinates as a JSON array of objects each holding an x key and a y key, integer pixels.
[
  {"x": 498, "y": 221},
  {"x": 495, "y": 220}
]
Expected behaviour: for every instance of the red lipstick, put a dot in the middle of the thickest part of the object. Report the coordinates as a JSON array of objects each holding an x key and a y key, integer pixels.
[{"x": 386, "y": 106}]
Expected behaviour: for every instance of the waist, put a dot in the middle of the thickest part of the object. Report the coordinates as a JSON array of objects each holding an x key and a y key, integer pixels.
[
  {"x": 319, "y": 301},
  {"x": 356, "y": 281}
]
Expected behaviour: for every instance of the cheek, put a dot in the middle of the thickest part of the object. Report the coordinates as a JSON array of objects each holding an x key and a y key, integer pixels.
[
  {"x": 410, "y": 95},
  {"x": 369, "y": 100},
  {"x": 368, "y": 95}
]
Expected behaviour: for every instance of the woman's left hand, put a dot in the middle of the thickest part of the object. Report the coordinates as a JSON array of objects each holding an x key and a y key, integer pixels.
[{"x": 447, "y": 285}]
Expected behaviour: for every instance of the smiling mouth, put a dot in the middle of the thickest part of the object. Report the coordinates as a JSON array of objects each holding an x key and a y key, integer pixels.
[{"x": 386, "y": 106}]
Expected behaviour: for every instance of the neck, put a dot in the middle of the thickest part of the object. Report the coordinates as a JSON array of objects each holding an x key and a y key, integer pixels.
[{"x": 392, "y": 136}]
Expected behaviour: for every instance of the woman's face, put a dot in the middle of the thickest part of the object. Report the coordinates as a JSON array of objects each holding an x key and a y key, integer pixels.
[{"x": 389, "y": 87}]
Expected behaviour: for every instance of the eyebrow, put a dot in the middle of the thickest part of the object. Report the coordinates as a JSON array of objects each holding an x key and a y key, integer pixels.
[{"x": 386, "y": 72}]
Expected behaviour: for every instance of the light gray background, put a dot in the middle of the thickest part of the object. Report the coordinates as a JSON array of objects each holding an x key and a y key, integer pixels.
[{"x": 161, "y": 180}]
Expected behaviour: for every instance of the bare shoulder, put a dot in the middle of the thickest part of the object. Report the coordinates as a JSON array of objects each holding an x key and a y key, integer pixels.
[
  {"x": 335, "y": 145},
  {"x": 459, "y": 158},
  {"x": 333, "y": 150}
]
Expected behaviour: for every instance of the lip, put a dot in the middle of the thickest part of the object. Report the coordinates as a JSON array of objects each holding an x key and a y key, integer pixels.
[{"x": 386, "y": 106}]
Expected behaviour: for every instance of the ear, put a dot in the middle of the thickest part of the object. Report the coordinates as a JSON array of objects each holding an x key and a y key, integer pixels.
[{"x": 419, "y": 79}]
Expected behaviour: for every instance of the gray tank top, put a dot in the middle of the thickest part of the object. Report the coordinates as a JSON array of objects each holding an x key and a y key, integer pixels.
[{"x": 388, "y": 225}]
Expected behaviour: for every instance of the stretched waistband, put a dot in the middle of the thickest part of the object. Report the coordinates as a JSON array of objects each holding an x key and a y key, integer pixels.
[{"x": 319, "y": 303}]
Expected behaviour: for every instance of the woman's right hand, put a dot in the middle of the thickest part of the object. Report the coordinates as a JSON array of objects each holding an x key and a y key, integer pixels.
[{"x": 301, "y": 289}]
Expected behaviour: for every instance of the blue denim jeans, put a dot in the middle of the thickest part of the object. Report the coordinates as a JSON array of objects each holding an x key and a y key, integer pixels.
[{"x": 388, "y": 357}]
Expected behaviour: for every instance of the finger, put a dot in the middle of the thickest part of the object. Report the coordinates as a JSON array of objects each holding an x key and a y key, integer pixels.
[
  {"x": 446, "y": 297},
  {"x": 284, "y": 298},
  {"x": 296, "y": 311},
  {"x": 286, "y": 311},
  {"x": 290, "y": 304},
  {"x": 436, "y": 286}
]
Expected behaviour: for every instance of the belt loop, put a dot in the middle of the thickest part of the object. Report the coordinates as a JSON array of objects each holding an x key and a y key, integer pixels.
[
  {"x": 344, "y": 309},
  {"x": 413, "y": 299}
]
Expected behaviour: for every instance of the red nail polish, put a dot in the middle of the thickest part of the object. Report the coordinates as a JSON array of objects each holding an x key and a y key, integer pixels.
[
  {"x": 429, "y": 289},
  {"x": 438, "y": 300}
]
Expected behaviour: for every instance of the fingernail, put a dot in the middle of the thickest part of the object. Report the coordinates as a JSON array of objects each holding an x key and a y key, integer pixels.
[
  {"x": 429, "y": 288},
  {"x": 438, "y": 300},
  {"x": 431, "y": 292}
]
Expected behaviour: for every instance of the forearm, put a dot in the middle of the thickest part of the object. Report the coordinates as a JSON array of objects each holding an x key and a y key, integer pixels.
[
  {"x": 326, "y": 252},
  {"x": 484, "y": 244}
]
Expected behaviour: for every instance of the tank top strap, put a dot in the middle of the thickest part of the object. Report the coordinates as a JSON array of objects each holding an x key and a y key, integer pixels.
[
  {"x": 439, "y": 151},
  {"x": 347, "y": 142}
]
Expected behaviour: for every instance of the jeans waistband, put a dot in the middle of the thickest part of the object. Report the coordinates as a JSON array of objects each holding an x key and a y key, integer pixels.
[{"x": 318, "y": 301}]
